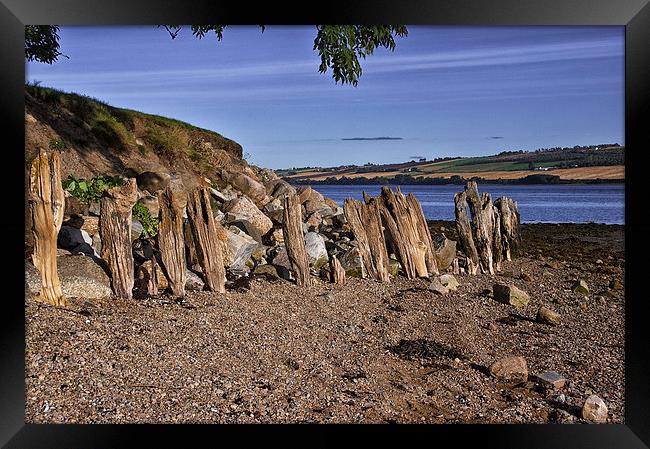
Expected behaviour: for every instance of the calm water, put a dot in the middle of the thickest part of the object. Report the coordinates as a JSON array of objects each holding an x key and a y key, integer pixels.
[{"x": 537, "y": 203}]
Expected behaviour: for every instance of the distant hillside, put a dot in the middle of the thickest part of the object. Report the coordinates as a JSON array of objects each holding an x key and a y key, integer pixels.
[
  {"x": 100, "y": 139},
  {"x": 595, "y": 162}
]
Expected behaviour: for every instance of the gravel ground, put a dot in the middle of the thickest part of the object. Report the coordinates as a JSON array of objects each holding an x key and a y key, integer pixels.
[{"x": 364, "y": 352}]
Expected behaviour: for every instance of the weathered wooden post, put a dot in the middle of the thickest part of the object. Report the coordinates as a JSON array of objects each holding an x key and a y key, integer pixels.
[
  {"x": 365, "y": 222},
  {"x": 483, "y": 224},
  {"x": 337, "y": 273},
  {"x": 408, "y": 231},
  {"x": 294, "y": 239},
  {"x": 492, "y": 233},
  {"x": 206, "y": 238},
  {"x": 170, "y": 239},
  {"x": 47, "y": 204},
  {"x": 424, "y": 234},
  {"x": 509, "y": 224},
  {"x": 465, "y": 233},
  {"x": 115, "y": 231}
]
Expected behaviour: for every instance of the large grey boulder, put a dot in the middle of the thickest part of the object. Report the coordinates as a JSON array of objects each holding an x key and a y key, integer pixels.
[
  {"x": 222, "y": 196},
  {"x": 246, "y": 185},
  {"x": 281, "y": 188},
  {"x": 240, "y": 248},
  {"x": 275, "y": 210},
  {"x": 152, "y": 181},
  {"x": 245, "y": 207},
  {"x": 307, "y": 193},
  {"x": 248, "y": 228},
  {"x": 80, "y": 277},
  {"x": 315, "y": 248}
]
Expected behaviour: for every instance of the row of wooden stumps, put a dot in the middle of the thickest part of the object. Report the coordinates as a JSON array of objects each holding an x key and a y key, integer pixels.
[
  {"x": 391, "y": 220},
  {"x": 491, "y": 235},
  {"x": 47, "y": 204}
]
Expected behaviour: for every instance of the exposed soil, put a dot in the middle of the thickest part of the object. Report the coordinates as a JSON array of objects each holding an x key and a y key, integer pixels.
[{"x": 363, "y": 352}]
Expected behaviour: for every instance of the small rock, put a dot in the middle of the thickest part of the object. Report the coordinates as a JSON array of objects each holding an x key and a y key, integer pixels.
[
  {"x": 550, "y": 379},
  {"x": 282, "y": 264},
  {"x": 510, "y": 369},
  {"x": 70, "y": 237},
  {"x": 222, "y": 196},
  {"x": 94, "y": 209},
  {"x": 492, "y": 327},
  {"x": 352, "y": 263},
  {"x": 615, "y": 284},
  {"x": 314, "y": 220},
  {"x": 267, "y": 269},
  {"x": 445, "y": 251},
  {"x": 394, "y": 267},
  {"x": 599, "y": 262},
  {"x": 136, "y": 230},
  {"x": 152, "y": 181},
  {"x": 192, "y": 281},
  {"x": 552, "y": 264},
  {"x": 594, "y": 409},
  {"x": 437, "y": 287},
  {"x": 277, "y": 237},
  {"x": 559, "y": 398},
  {"x": 449, "y": 281},
  {"x": 580, "y": 287},
  {"x": 509, "y": 294},
  {"x": 525, "y": 276},
  {"x": 548, "y": 316}
]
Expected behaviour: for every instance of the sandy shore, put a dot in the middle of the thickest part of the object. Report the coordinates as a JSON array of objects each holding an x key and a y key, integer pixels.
[{"x": 363, "y": 352}]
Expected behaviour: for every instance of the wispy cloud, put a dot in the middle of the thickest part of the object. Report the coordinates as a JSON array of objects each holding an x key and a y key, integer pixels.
[
  {"x": 372, "y": 138},
  {"x": 520, "y": 54}
]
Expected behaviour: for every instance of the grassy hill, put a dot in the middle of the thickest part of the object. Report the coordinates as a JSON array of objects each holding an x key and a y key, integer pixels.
[
  {"x": 99, "y": 139},
  {"x": 595, "y": 162}
]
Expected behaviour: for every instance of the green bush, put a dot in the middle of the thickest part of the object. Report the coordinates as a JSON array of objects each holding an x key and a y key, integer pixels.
[
  {"x": 56, "y": 144},
  {"x": 90, "y": 190},
  {"x": 167, "y": 142},
  {"x": 149, "y": 223}
]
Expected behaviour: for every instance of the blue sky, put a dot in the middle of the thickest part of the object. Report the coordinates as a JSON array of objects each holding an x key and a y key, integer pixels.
[{"x": 445, "y": 91}]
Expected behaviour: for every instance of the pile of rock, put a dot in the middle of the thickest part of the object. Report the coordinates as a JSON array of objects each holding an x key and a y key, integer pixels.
[{"x": 249, "y": 206}]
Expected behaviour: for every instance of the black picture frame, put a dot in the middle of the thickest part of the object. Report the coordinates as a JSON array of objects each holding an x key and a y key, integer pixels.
[{"x": 633, "y": 14}]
